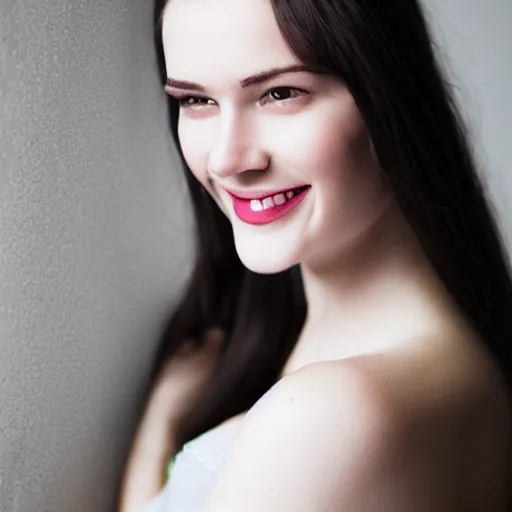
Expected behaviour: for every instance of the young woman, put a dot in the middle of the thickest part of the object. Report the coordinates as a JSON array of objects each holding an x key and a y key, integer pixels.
[{"x": 348, "y": 270}]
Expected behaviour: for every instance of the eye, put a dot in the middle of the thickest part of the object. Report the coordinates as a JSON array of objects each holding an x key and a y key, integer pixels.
[
  {"x": 276, "y": 95},
  {"x": 282, "y": 94},
  {"x": 193, "y": 102}
]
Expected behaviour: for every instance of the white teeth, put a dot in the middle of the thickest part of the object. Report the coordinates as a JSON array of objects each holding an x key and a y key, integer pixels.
[
  {"x": 279, "y": 199},
  {"x": 268, "y": 202},
  {"x": 256, "y": 205}
]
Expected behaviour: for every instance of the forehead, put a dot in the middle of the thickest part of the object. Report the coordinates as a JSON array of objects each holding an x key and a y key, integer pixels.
[{"x": 210, "y": 40}]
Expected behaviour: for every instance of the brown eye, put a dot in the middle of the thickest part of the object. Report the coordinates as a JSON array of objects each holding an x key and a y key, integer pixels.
[
  {"x": 193, "y": 101},
  {"x": 283, "y": 95}
]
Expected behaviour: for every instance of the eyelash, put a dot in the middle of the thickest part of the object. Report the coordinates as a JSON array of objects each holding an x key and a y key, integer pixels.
[{"x": 184, "y": 101}]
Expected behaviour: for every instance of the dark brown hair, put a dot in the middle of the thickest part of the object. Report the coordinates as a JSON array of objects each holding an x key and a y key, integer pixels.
[{"x": 383, "y": 51}]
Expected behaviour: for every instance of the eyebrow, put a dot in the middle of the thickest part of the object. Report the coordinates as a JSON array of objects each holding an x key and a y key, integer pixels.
[{"x": 259, "y": 78}]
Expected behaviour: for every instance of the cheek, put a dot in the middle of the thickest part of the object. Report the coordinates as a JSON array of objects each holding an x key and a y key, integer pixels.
[
  {"x": 194, "y": 144},
  {"x": 337, "y": 153},
  {"x": 341, "y": 142},
  {"x": 351, "y": 188}
]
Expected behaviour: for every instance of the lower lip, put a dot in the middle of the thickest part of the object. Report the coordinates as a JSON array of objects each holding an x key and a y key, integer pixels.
[{"x": 244, "y": 212}]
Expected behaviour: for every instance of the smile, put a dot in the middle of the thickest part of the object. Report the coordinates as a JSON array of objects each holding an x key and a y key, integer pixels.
[{"x": 263, "y": 209}]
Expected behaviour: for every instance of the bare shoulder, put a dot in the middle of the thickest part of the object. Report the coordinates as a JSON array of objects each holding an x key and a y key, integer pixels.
[
  {"x": 310, "y": 444},
  {"x": 368, "y": 433},
  {"x": 323, "y": 400},
  {"x": 448, "y": 404},
  {"x": 449, "y": 380}
]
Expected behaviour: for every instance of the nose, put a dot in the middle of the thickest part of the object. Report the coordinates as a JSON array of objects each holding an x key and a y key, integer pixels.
[{"x": 236, "y": 149}]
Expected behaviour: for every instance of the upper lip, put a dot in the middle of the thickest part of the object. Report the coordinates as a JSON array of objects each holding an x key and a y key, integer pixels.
[{"x": 260, "y": 194}]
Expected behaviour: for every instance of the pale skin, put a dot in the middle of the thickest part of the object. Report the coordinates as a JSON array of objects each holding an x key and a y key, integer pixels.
[
  {"x": 389, "y": 400},
  {"x": 179, "y": 384}
]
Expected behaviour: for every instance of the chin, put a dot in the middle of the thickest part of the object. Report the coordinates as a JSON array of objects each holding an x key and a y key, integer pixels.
[{"x": 262, "y": 261}]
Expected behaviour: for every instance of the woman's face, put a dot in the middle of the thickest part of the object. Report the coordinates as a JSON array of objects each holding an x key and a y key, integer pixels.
[{"x": 285, "y": 155}]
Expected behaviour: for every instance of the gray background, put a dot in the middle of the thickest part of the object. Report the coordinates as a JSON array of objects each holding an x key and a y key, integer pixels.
[{"x": 93, "y": 226}]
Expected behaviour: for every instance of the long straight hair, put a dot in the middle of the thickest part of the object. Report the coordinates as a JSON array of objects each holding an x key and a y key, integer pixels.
[{"x": 383, "y": 52}]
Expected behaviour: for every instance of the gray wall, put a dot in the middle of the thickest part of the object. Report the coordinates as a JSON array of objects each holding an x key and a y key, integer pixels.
[
  {"x": 476, "y": 44},
  {"x": 93, "y": 228},
  {"x": 92, "y": 244}
]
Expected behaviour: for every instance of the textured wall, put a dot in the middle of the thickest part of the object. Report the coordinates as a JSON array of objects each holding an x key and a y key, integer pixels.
[
  {"x": 92, "y": 227},
  {"x": 91, "y": 244}
]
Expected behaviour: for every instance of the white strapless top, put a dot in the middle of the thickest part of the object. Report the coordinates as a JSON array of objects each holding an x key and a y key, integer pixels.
[{"x": 195, "y": 470}]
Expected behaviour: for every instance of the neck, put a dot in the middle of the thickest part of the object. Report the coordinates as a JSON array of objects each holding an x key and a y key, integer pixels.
[{"x": 368, "y": 294}]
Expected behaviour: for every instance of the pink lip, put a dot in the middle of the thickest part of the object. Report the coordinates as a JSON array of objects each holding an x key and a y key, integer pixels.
[
  {"x": 244, "y": 212},
  {"x": 259, "y": 194}
]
